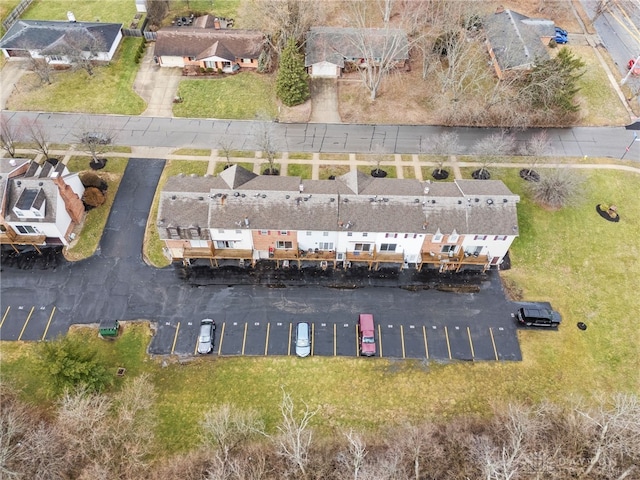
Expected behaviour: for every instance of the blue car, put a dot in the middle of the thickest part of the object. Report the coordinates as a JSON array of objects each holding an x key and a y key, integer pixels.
[
  {"x": 562, "y": 36},
  {"x": 560, "y": 31}
]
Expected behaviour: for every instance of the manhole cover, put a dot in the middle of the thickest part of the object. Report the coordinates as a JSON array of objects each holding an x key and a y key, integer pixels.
[{"x": 582, "y": 326}]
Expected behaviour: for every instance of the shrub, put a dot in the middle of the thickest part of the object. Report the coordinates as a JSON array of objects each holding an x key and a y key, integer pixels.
[
  {"x": 557, "y": 188},
  {"x": 90, "y": 179},
  {"x": 93, "y": 197}
]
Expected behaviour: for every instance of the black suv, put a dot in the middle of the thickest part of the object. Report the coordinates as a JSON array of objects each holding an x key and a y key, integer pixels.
[{"x": 538, "y": 316}]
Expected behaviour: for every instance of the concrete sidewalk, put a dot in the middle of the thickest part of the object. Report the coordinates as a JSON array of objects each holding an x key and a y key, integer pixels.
[{"x": 157, "y": 86}]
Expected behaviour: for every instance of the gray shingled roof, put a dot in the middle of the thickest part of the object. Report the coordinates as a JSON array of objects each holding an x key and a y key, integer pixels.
[
  {"x": 516, "y": 38},
  {"x": 383, "y": 205},
  {"x": 43, "y": 189},
  {"x": 203, "y": 42},
  {"x": 52, "y": 36},
  {"x": 334, "y": 45}
]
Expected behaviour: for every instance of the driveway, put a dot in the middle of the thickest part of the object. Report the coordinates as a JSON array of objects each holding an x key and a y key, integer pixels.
[
  {"x": 9, "y": 77},
  {"x": 157, "y": 86},
  {"x": 324, "y": 101}
]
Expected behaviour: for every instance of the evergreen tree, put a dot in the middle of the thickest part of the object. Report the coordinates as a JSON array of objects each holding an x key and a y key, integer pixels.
[
  {"x": 553, "y": 84},
  {"x": 292, "y": 86}
]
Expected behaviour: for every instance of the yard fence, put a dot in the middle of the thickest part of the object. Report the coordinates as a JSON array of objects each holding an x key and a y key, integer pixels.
[
  {"x": 136, "y": 32},
  {"x": 151, "y": 36},
  {"x": 8, "y": 22}
]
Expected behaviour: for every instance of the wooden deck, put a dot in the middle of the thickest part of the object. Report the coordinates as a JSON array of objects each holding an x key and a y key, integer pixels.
[
  {"x": 14, "y": 239},
  {"x": 453, "y": 263},
  {"x": 214, "y": 254},
  {"x": 299, "y": 256},
  {"x": 375, "y": 258}
]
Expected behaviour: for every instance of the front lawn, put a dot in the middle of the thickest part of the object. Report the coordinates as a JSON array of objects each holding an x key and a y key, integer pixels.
[
  {"x": 113, "y": 11},
  {"x": 109, "y": 90},
  {"x": 245, "y": 96},
  {"x": 95, "y": 220}
]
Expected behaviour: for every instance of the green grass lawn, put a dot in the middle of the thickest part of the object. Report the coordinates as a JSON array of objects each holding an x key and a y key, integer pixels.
[
  {"x": 298, "y": 170},
  {"x": 586, "y": 267},
  {"x": 300, "y": 156},
  {"x": 390, "y": 169},
  {"x": 409, "y": 172},
  {"x": 244, "y": 96},
  {"x": 111, "y": 11},
  {"x": 96, "y": 219},
  {"x": 326, "y": 171},
  {"x": 193, "y": 152},
  {"x": 109, "y": 90},
  {"x": 220, "y": 166}
]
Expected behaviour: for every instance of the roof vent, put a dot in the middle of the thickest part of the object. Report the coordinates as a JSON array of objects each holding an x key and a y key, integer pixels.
[
  {"x": 243, "y": 195},
  {"x": 385, "y": 199},
  {"x": 477, "y": 200},
  {"x": 19, "y": 183},
  {"x": 433, "y": 201},
  {"x": 306, "y": 198},
  {"x": 417, "y": 200},
  {"x": 173, "y": 197},
  {"x": 332, "y": 199},
  {"x": 346, "y": 200},
  {"x": 459, "y": 202},
  {"x": 200, "y": 198},
  {"x": 246, "y": 221},
  {"x": 504, "y": 200},
  {"x": 489, "y": 201},
  {"x": 40, "y": 184},
  {"x": 287, "y": 197},
  {"x": 236, "y": 194},
  {"x": 263, "y": 195}
]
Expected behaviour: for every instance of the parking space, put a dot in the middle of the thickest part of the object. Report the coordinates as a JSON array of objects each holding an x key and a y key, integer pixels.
[
  {"x": 255, "y": 341},
  {"x": 346, "y": 338},
  {"x": 280, "y": 338},
  {"x": 415, "y": 341},
  {"x": 390, "y": 340},
  {"x": 483, "y": 347},
  {"x": 438, "y": 343},
  {"x": 186, "y": 338},
  {"x": 322, "y": 339},
  {"x": 231, "y": 338},
  {"x": 28, "y": 323},
  {"x": 460, "y": 342},
  {"x": 506, "y": 342}
]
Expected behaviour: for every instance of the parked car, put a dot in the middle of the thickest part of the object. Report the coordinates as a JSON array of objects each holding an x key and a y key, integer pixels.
[
  {"x": 303, "y": 339},
  {"x": 561, "y": 31},
  {"x": 366, "y": 333},
  {"x": 561, "y": 36},
  {"x": 538, "y": 316},
  {"x": 634, "y": 67},
  {"x": 205, "y": 339},
  {"x": 96, "y": 137}
]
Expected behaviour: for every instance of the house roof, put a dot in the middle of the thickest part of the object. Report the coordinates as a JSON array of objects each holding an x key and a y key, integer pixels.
[
  {"x": 55, "y": 36},
  {"x": 334, "y": 45},
  {"x": 483, "y": 207},
  {"x": 516, "y": 39},
  {"x": 204, "y": 43}
]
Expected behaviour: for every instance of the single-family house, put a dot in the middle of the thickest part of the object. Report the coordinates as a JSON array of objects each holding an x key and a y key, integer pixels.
[
  {"x": 515, "y": 41},
  {"x": 53, "y": 40},
  {"x": 354, "y": 220},
  {"x": 208, "y": 47},
  {"x": 40, "y": 204},
  {"x": 329, "y": 49}
]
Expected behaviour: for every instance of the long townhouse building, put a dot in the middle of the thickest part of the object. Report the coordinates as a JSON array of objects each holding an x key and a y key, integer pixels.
[{"x": 242, "y": 218}]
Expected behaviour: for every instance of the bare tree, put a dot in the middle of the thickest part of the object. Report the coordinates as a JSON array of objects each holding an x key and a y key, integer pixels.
[
  {"x": 156, "y": 11},
  {"x": 95, "y": 139},
  {"x": 614, "y": 438},
  {"x": 9, "y": 136},
  {"x": 294, "y": 438},
  {"x": 535, "y": 148},
  {"x": 353, "y": 458},
  {"x": 81, "y": 49},
  {"x": 41, "y": 67},
  {"x": 491, "y": 149},
  {"x": 379, "y": 49},
  {"x": 14, "y": 424},
  {"x": 225, "y": 147},
  {"x": 386, "y": 7},
  {"x": 557, "y": 188},
  {"x": 283, "y": 19},
  {"x": 267, "y": 143},
  {"x": 38, "y": 135},
  {"x": 225, "y": 428},
  {"x": 43, "y": 453}
]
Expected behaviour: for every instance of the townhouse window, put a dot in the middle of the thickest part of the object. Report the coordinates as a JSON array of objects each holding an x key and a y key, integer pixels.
[
  {"x": 225, "y": 243},
  {"x": 500, "y": 237},
  {"x": 263, "y": 232},
  {"x": 325, "y": 246},
  {"x": 453, "y": 238},
  {"x": 238, "y": 231},
  {"x": 173, "y": 233},
  {"x": 283, "y": 232},
  {"x": 221, "y": 230},
  {"x": 349, "y": 234},
  {"x": 388, "y": 247},
  {"x": 362, "y": 247},
  {"x": 480, "y": 237},
  {"x": 281, "y": 244},
  {"x": 55, "y": 58},
  {"x": 365, "y": 234},
  {"x": 191, "y": 59},
  {"x": 448, "y": 248},
  {"x": 437, "y": 238},
  {"x": 246, "y": 60},
  {"x": 194, "y": 232},
  {"x": 308, "y": 234},
  {"x": 325, "y": 234},
  {"x": 26, "y": 229}
]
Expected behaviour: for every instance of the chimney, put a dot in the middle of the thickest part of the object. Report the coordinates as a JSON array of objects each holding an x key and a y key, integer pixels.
[{"x": 72, "y": 202}]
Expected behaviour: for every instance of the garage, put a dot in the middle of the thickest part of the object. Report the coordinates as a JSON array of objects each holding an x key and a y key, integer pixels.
[{"x": 325, "y": 69}]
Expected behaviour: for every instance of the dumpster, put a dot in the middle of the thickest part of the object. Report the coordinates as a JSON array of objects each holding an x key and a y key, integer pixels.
[{"x": 109, "y": 328}]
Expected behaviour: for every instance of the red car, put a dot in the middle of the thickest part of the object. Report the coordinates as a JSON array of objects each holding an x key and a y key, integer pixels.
[
  {"x": 634, "y": 70},
  {"x": 366, "y": 333}
]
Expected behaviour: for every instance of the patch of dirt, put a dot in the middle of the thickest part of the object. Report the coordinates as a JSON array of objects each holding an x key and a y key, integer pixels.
[
  {"x": 298, "y": 114},
  {"x": 512, "y": 290}
]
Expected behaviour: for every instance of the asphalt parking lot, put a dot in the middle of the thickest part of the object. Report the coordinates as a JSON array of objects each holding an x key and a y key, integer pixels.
[{"x": 42, "y": 296}]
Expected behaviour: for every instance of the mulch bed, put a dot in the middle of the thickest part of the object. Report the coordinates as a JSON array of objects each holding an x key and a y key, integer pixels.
[
  {"x": 605, "y": 214},
  {"x": 98, "y": 164},
  {"x": 440, "y": 174},
  {"x": 481, "y": 174},
  {"x": 529, "y": 175},
  {"x": 378, "y": 173}
]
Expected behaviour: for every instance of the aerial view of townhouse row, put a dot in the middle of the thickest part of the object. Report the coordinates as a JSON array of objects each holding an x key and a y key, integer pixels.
[{"x": 372, "y": 239}]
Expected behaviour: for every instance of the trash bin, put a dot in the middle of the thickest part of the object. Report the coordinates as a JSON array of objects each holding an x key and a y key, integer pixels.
[{"x": 109, "y": 328}]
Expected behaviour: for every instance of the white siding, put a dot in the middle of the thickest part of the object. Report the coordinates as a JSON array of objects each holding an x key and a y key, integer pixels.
[
  {"x": 405, "y": 243},
  {"x": 325, "y": 69},
  {"x": 316, "y": 239},
  {"x": 242, "y": 240}
]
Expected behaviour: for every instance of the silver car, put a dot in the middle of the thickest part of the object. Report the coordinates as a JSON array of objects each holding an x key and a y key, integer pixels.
[
  {"x": 205, "y": 339},
  {"x": 303, "y": 339}
]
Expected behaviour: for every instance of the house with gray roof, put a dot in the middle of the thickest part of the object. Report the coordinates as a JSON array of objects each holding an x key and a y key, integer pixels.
[
  {"x": 206, "y": 47},
  {"x": 352, "y": 220},
  {"x": 329, "y": 49},
  {"x": 54, "y": 39},
  {"x": 517, "y": 42},
  {"x": 40, "y": 204}
]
